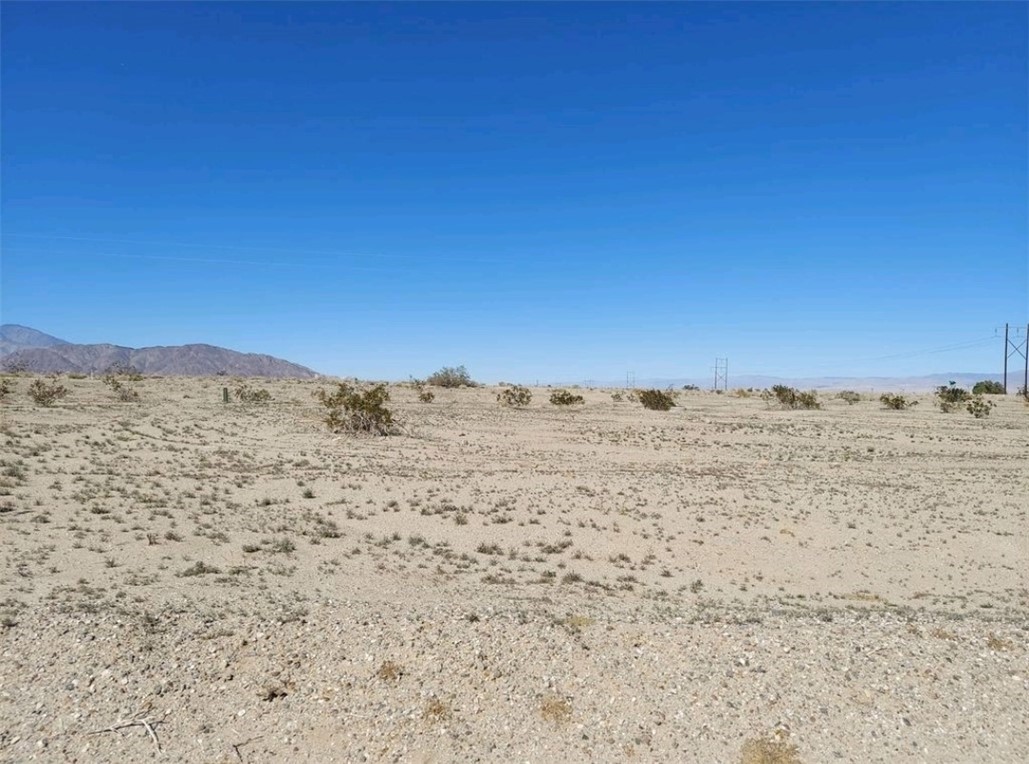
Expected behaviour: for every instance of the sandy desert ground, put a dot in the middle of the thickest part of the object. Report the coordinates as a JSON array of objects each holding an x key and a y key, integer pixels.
[{"x": 185, "y": 580}]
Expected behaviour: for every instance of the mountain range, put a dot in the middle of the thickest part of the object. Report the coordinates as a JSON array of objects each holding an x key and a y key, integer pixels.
[{"x": 27, "y": 349}]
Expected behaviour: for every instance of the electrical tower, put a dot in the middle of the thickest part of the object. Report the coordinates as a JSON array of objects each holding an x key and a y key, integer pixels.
[
  {"x": 630, "y": 380},
  {"x": 722, "y": 373},
  {"x": 1017, "y": 345}
]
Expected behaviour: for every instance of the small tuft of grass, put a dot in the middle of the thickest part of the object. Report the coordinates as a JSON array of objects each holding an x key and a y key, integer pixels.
[
  {"x": 555, "y": 709},
  {"x": 769, "y": 749}
]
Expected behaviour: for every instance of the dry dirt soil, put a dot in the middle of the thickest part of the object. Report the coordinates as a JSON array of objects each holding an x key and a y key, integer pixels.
[{"x": 187, "y": 580}]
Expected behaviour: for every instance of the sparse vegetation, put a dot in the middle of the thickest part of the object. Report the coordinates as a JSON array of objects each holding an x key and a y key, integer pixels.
[
  {"x": 124, "y": 393},
  {"x": 979, "y": 407},
  {"x": 850, "y": 396},
  {"x": 244, "y": 393},
  {"x": 949, "y": 397},
  {"x": 350, "y": 409},
  {"x": 791, "y": 398},
  {"x": 516, "y": 396},
  {"x": 896, "y": 402},
  {"x": 565, "y": 398},
  {"x": 47, "y": 393},
  {"x": 451, "y": 376},
  {"x": 655, "y": 400},
  {"x": 769, "y": 749}
]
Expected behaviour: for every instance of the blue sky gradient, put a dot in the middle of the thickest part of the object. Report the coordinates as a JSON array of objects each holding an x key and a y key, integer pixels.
[{"x": 538, "y": 191}]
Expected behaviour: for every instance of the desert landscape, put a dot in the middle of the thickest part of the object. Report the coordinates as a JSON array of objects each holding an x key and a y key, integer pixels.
[{"x": 186, "y": 579}]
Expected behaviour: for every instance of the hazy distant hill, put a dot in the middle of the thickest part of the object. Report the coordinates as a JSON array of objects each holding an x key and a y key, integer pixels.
[
  {"x": 181, "y": 360},
  {"x": 14, "y": 337},
  {"x": 921, "y": 383}
]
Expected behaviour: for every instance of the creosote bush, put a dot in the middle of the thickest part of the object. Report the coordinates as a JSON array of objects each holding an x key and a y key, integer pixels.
[
  {"x": 47, "y": 393},
  {"x": 896, "y": 402},
  {"x": 949, "y": 397},
  {"x": 425, "y": 396},
  {"x": 246, "y": 394},
  {"x": 988, "y": 387},
  {"x": 979, "y": 407},
  {"x": 850, "y": 396},
  {"x": 125, "y": 393},
  {"x": 5, "y": 388},
  {"x": 655, "y": 400},
  {"x": 350, "y": 409},
  {"x": 451, "y": 376},
  {"x": 565, "y": 398},
  {"x": 517, "y": 396},
  {"x": 791, "y": 398}
]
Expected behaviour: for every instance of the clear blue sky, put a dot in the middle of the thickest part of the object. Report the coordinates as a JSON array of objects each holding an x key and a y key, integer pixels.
[{"x": 540, "y": 191}]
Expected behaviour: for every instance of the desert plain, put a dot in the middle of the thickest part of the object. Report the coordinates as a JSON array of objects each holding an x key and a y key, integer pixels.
[{"x": 183, "y": 579}]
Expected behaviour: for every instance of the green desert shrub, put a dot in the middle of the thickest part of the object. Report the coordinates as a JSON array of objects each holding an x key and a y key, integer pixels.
[
  {"x": 451, "y": 376},
  {"x": 351, "y": 409},
  {"x": 791, "y": 398},
  {"x": 896, "y": 402},
  {"x": 655, "y": 400},
  {"x": 517, "y": 396},
  {"x": 565, "y": 398},
  {"x": 949, "y": 397},
  {"x": 47, "y": 393},
  {"x": 988, "y": 387},
  {"x": 979, "y": 407}
]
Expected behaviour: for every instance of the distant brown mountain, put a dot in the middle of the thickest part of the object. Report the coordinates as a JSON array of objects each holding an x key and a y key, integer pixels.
[{"x": 181, "y": 360}]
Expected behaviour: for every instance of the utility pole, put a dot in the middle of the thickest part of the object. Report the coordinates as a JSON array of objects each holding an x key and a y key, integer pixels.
[
  {"x": 1017, "y": 347},
  {"x": 722, "y": 373}
]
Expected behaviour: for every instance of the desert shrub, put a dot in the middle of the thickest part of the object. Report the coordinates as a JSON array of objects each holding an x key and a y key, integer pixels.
[
  {"x": 246, "y": 394},
  {"x": 5, "y": 388},
  {"x": 655, "y": 400},
  {"x": 451, "y": 376},
  {"x": 565, "y": 398},
  {"x": 516, "y": 395},
  {"x": 979, "y": 407},
  {"x": 124, "y": 370},
  {"x": 125, "y": 393},
  {"x": 850, "y": 396},
  {"x": 896, "y": 402},
  {"x": 690, "y": 388},
  {"x": 350, "y": 409},
  {"x": 949, "y": 397},
  {"x": 617, "y": 396},
  {"x": 988, "y": 387},
  {"x": 425, "y": 396},
  {"x": 47, "y": 393},
  {"x": 791, "y": 398}
]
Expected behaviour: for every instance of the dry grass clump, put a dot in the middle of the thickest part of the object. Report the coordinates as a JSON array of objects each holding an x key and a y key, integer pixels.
[
  {"x": 769, "y": 749},
  {"x": 555, "y": 709},
  {"x": 246, "y": 394},
  {"x": 389, "y": 671}
]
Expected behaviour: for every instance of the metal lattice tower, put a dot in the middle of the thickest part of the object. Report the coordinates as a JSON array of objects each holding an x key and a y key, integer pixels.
[
  {"x": 1018, "y": 345},
  {"x": 722, "y": 373}
]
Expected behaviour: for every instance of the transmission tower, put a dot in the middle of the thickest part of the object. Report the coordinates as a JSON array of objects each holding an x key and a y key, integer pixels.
[
  {"x": 722, "y": 373},
  {"x": 1017, "y": 345},
  {"x": 630, "y": 380}
]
